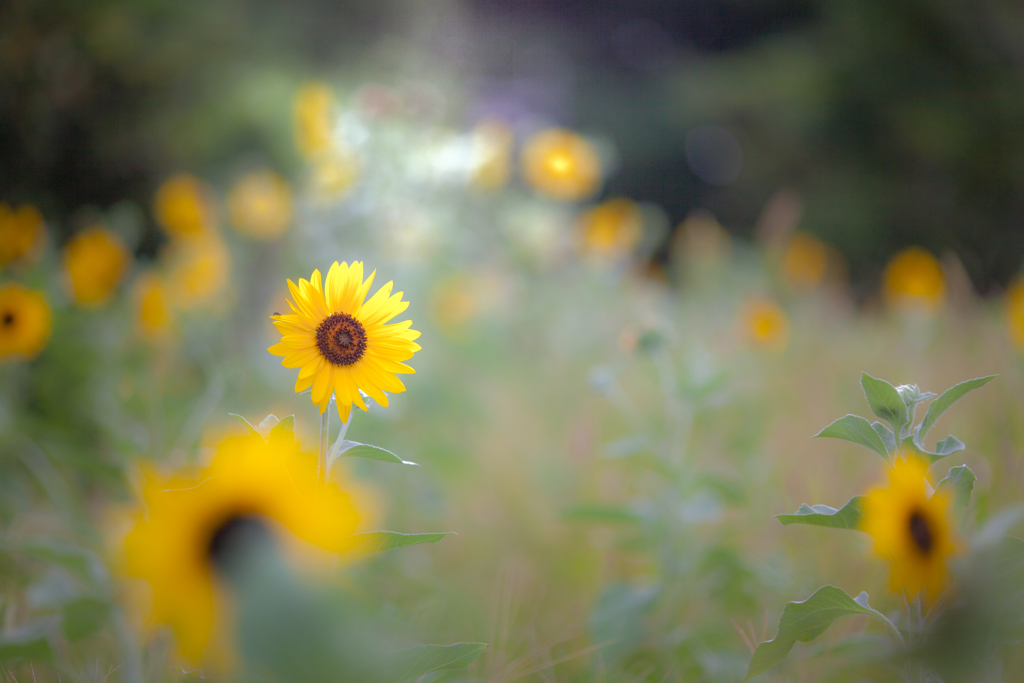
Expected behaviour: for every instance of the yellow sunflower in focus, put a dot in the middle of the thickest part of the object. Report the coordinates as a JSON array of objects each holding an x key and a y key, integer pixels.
[
  {"x": 612, "y": 228},
  {"x": 804, "y": 262},
  {"x": 25, "y": 322},
  {"x": 1015, "y": 312},
  {"x": 765, "y": 323},
  {"x": 914, "y": 280},
  {"x": 911, "y": 529},
  {"x": 181, "y": 535},
  {"x": 561, "y": 164},
  {"x": 20, "y": 232},
  {"x": 182, "y": 207},
  {"x": 152, "y": 308},
  {"x": 260, "y": 205},
  {"x": 312, "y": 110},
  {"x": 95, "y": 261},
  {"x": 341, "y": 342}
]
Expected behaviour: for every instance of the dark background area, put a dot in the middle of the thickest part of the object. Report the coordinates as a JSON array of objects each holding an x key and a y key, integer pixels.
[{"x": 897, "y": 123}]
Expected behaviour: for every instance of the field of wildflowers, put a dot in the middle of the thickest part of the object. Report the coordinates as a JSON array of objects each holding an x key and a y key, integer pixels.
[{"x": 430, "y": 404}]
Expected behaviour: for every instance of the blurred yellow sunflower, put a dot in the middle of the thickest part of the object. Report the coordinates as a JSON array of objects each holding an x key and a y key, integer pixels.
[
  {"x": 20, "y": 231},
  {"x": 914, "y": 280},
  {"x": 181, "y": 536},
  {"x": 197, "y": 270},
  {"x": 312, "y": 113},
  {"x": 182, "y": 207},
  {"x": 804, "y": 261},
  {"x": 911, "y": 529},
  {"x": 152, "y": 309},
  {"x": 765, "y": 323},
  {"x": 341, "y": 342},
  {"x": 25, "y": 321},
  {"x": 95, "y": 261},
  {"x": 1014, "y": 304},
  {"x": 260, "y": 205},
  {"x": 612, "y": 228},
  {"x": 561, "y": 165}
]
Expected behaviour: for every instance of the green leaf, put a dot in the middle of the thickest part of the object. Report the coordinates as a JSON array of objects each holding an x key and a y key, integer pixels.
[
  {"x": 246, "y": 424},
  {"x": 596, "y": 513},
  {"x": 424, "y": 659},
  {"x": 959, "y": 484},
  {"x": 846, "y": 517},
  {"x": 885, "y": 402},
  {"x": 29, "y": 642},
  {"x": 948, "y": 398},
  {"x": 284, "y": 429},
  {"x": 947, "y": 446},
  {"x": 372, "y": 542},
  {"x": 856, "y": 429},
  {"x": 266, "y": 424},
  {"x": 888, "y": 438},
  {"x": 354, "y": 449},
  {"x": 805, "y": 621},
  {"x": 84, "y": 617}
]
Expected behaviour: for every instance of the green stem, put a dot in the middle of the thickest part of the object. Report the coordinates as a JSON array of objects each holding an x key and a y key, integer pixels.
[{"x": 323, "y": 474}]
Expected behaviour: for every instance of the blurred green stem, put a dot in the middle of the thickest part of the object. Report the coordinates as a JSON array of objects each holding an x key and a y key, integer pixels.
[{"x": 324, "y": 434}]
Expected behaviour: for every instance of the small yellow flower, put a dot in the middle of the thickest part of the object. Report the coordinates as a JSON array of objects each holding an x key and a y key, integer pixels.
[
  {"x": 1014, "y": 304},
  {"x": 260, "y": 205},
  {"x": 152, "y": 308},
  {"x": 25, "y": 322},
  {"x": 804, "y": 262},
  {"x": 914, "y": 280},
  {"x": 493, "y": 141},
  {"x": 333, "y": 174},
  {"x": 341, "y": 342},
  {"x": 197, "y": 271},
  {"x": 95, "y": 261},
  {"x": 312, "y": 111},
  {"x": 612, "y": 228},
  {"x": 183, "y": 208},
  {"x": 911, "y": 529},
  {"x": 180, "y": 534},
  {"x": 765, "y": 323},
  {"x": 561, "y": 165},
  {"x": 20, "y": 232}
]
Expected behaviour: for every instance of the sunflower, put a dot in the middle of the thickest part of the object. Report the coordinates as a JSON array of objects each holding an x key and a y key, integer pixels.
[
  {"x": 183, "y": 534},
  {"x": 95, "y": 261},
  {"x": 151, "y": 306},
  {"x": 197, "y": 270},
  {"x": 312, "y": 113},
  {"x": 340, "y": 341},
  {"x": 561, "y": 165},
  {"x": 260, "y": 205},
  {"x": 182, "y": 207},
  {"x": 804, "y": 261},
  {"x": 911, "y": 529},
  {"x": 20, "y": 232},
  {"x": 612, "y": 228},
  {"x": 765, "y": 323},
  {"x": 1014, "y": 305},
  {"x": 24, "y": 321},
  {"x": 914, "y": 280}
]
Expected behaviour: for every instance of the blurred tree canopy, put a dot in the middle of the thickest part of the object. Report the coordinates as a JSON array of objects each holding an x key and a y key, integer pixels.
[{"x": 897, "y": 123}]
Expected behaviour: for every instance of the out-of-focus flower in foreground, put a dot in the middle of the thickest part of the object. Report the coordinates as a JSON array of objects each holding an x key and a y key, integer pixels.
[
  {"x": 1014, "y": 304},
  {"x": 188, "y": 529},
  {"x": 612, "y": 228},
  {"x": 183, "y": 208},
  {"x": 765, "y": 324},
  {"x": 95, "y": 261},
  {"x": 260, "y": 205},
  {"x": 197, "y": 271},
  {"x": 914, "y": 280},
  {"x": 561, "y": 165},
  {"x": 804, "y": 262},
  {"x": 21, "y": 230},
  {"x": 312, "y": 112},
  {"x": 911, "y": 529},
  {"x": 25, "y": 321},
  {"x": 492, "y": 142},
  {"x": 341, "y": 342},
  {"x": 152, "y": 308}
]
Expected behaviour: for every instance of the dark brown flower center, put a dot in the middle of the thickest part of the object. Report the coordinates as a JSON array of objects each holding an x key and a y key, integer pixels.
[
  {"x": 233, "y": 539},
  {"x": 341, "y": 339},
  {"x": 8, "y": 319},
  {"x": 921, "y": 533}
]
